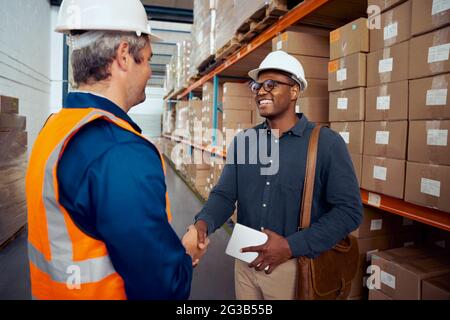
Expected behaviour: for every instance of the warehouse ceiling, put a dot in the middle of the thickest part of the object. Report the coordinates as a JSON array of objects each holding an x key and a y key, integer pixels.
[{"x": 171, "y": 20}]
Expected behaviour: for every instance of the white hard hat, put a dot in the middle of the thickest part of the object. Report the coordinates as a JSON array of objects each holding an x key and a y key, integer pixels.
[
  {"x": 104, "y": 15},
  {"x": 280, "y": 60}
]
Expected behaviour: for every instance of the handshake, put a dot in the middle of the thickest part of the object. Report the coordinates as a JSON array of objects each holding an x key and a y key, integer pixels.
[{"x": 195, "y": 241}]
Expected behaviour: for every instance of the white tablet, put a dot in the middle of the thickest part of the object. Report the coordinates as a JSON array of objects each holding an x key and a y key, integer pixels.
[{"x": 244, "y": 237}]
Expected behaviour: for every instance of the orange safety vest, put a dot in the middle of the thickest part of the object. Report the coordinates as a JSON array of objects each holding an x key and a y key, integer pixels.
[{"x": 65, "y": 263}]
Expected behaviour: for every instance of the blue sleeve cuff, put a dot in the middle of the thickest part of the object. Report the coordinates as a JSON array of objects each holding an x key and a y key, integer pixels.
[
  {"x": 298, "y": 244},
  {"x": 209, "y": 221}
]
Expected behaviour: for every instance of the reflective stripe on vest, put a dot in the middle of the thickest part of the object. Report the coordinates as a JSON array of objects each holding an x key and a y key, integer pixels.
[{"x": 92, "y": 270}]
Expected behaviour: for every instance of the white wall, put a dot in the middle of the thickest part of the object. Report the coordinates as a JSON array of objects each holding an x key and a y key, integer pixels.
[
  {"x": 148, "y": 114},
  {"x": 25, "y": 59}
]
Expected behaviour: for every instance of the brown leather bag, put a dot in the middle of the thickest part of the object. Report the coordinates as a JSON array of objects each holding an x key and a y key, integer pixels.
[{"x": 329, "y": 276}]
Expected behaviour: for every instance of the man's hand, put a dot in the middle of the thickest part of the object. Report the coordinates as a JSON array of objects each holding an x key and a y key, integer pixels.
[
  {"x": 202, "y": 232},
  {"x": 189, "y": 241},
  {"x": 274, "y": 252}
]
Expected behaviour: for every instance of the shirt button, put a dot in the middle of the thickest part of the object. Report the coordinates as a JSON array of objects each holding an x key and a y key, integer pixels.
[
  {"x": 268, "y": 183},
  {"x": 270, "y": 161},
  {"x": 264, "y": 205},
  {"x": 276, "y": 141},
  {"x": 268, "y": 132}
]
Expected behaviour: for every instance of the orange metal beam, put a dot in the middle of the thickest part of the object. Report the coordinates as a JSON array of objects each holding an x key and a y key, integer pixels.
[
  {"x": 293, "y": 16},
  {"x": 435, "y": 218}
]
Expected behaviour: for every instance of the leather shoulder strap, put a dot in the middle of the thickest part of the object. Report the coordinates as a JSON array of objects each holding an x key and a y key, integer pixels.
[{"x": 305, "y": 209}]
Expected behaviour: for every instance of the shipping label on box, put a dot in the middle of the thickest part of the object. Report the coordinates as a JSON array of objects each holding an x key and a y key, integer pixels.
[
  {"x": 428, "y": 98},
  {"x": 347, "y": 105},
  {"x": 429, "y": 54},
  {"x": 386, "y": 139},
  {"x": 352, "y": 133},
  {"x": 395, "y": 27},
  {"x": 428, "y": 185},
  {"x": 388, "y": 65},
  {"x": 347, "y": 72},
  {"x": 429, "y": 15}
]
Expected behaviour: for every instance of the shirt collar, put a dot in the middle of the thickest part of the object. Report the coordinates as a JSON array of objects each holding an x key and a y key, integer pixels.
[
  {"x": 296, "y": 130},
  {"x": 82, "y": 100}
]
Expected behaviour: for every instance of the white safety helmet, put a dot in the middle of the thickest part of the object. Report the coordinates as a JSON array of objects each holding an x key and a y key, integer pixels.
[
  {"x": 280, "y": 60},
  {"x": 104, "y": 15}
]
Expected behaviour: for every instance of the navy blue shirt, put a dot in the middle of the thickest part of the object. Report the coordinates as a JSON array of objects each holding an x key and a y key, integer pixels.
[
  {"x": 273, "y": 201},
  {"x": 112, "y": 184}
]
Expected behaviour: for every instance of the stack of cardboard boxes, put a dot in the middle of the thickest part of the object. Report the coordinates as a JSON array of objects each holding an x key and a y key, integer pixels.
[
  {"x": 347, "y": 80},
  {"x": 412, "y": 273},
  {"x": 314, "y": 58},
  {"x": 239, "y": 109},
  {"x": 386, "y": 127},
  {"x": 195, "y": 121},
  {"x": 208, "y": 113},
  {"x": 183, "y": 64},
  {"x": 168, "y": 118},
  {"x": 182, "y": 119},
  {"x": 380, "y": 231},
  {"x": 13, "y": 158},
  {"x": 203, "y": 33},
  {"x": 428, "y": 166}
]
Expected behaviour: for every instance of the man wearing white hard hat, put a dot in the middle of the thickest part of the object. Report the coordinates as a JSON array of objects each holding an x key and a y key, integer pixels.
[
  {"x": 272, "y": 202},
  {"x": 98, "y": 210}
]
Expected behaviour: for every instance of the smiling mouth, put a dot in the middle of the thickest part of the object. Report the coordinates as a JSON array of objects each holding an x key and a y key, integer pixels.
[{"x": 265, "y": 102}]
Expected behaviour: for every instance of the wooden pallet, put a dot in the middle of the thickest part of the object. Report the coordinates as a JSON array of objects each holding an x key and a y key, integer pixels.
[
  {"x": 260, "y": 20},
  {"x": 230, "y": 47}
]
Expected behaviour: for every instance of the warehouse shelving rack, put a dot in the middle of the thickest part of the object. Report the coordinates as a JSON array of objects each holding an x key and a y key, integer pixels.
[{"x": 429, "y": 216}]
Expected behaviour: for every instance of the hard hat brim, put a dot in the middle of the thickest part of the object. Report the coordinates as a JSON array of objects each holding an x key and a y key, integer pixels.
[{"x": 67, "y": 30}]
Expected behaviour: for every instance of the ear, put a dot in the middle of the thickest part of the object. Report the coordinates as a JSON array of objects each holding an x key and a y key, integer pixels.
[
  {"x": 123, "y": 56},
  {"x": 295, "y": 92}
]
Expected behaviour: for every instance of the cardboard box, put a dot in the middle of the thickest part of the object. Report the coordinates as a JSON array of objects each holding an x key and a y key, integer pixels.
[
  {"x": 294, "y": 43},
  {"x": 347, "y": 72},
  {"x": 314, "y": 67},
  {"x": 367, "y": 247},
  {"x": 9, "y": 104},
  {"x": 388, "y": 65},
  {"x": 384, "y": 4},
  {"x": 357, "y": 165},
  {"x": 429, "y": 54},
  {"x": 428, "y": 142},
  {"x": 395, "y": 27},
  {"x": 233, "y": 89},
  {"x": 238, "y": 103},
  {"x": 375, "y": 223},
  {"x": 315, "y": 109},
  {"x": 401, "y": 279},
  {"x": 428, "y": 185},
  {"x": 347, "y": 105},
  {"x": 428, "y": 98},
  {"x": 407, "y": 239},
  {"x": 386, "y": 139},
  {"x": 437, "y": 288},
  {"x": 437, "y": 238},
  {"x": 429, "y": 15},
  {"x": 387, "y": 102},
  {"x": 349, "y": 39},
  {"x": 384, "y": 175},
  {"x": 10, "y": 122},
  {"x": 375, "y": 294},
  {"x": 256, "y": 117},
  {"x": 316, "y": 88},
  {"x": 238, "y": 116},
  {"x": 352, "y": 133}
]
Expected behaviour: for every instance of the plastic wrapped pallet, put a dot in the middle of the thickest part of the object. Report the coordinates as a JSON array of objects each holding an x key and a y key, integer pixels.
[
  {"x": 183, "y": 64},
  {"x": 13, "y": 158},
  {"x": 203, "y": 32},
  {"x": 225, "y": 22}
]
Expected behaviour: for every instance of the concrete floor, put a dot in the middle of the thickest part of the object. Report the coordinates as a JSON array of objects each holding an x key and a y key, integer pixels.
[{"x": 213, "y": 278}]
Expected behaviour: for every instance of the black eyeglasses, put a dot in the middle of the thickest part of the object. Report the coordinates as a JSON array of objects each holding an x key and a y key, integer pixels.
[{"x": 268, "y": 85}]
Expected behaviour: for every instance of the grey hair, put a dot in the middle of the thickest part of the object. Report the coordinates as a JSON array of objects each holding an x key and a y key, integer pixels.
[{"x": 92, "y": 62}]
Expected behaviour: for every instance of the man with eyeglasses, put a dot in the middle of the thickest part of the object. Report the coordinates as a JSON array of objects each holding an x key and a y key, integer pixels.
[{"x": 272, "y": 202}]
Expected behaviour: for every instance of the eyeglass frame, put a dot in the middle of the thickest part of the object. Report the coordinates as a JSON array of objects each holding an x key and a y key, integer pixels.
[{"x": 261, "y": 84}]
